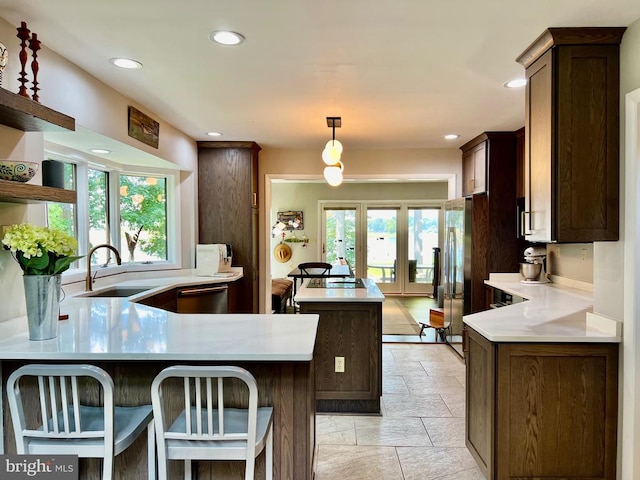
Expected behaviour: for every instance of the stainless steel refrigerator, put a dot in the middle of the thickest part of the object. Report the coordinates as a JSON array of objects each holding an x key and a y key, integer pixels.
[{"x": 457, "y": 268}]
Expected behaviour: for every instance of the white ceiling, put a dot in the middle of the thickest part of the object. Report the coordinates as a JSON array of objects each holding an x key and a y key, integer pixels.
[{"x": 400, "y": 73}]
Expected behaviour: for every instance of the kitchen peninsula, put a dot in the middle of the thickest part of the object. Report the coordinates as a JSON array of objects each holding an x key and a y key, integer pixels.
[
  {"x": 542, "y": 385},
  {"x": 133, "y": 342},
  {"x": 348, "y": 350}
]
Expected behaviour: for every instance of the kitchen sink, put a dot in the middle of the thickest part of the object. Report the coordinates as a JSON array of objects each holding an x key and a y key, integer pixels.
[{"x": 116, "y": 292}]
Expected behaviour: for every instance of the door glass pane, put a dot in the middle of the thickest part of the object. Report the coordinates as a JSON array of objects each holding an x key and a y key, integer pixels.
[
  {"x": 340, "y": 236},
  {"x": 143, "y": 218},
  {"x": 382, "y": 229},
  {"x": 422, "y": 238}
]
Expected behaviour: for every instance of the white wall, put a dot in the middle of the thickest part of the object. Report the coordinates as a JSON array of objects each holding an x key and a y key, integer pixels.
[{"x": 616, "y": 263}]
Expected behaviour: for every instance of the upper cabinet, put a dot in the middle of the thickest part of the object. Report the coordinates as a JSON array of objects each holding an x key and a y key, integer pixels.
[
  {"x": 572, "y": 135},
  {"x": 474, "y": 168}
]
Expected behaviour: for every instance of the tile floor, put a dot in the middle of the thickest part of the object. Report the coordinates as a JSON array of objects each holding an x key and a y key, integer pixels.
[{"x": 420, "y": 435}]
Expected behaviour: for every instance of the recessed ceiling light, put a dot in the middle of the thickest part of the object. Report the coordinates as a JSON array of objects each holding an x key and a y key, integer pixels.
[
  {"x": 214, "y": 134},
  {"x": 225, "y": 37},
  {"x": 451, "y": 136},
  {"x": 125, "y": 63},
  {"x": 516, "y": 83},
  {"x": 100, "y": 150}
]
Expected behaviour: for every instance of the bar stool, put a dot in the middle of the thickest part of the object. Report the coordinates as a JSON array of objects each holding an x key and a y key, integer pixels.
[
  {"x": 68, "y": 427},
  {"x": 206, "y": 429}
]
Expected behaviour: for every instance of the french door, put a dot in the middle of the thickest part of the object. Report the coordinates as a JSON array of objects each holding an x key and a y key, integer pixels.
[{"x": 391, "y": 243}]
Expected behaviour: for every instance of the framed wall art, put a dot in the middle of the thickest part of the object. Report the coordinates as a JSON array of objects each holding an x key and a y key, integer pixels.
[
  {"x": 292, "y": 220},
  {"x": 143, "y": 128}
]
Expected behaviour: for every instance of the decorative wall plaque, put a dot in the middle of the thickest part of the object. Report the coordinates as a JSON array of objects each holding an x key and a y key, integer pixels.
[{"x": 143, "y": 128}]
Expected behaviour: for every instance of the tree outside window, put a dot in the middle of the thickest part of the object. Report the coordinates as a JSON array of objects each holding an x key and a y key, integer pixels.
[{"x": 143, "y": 217}]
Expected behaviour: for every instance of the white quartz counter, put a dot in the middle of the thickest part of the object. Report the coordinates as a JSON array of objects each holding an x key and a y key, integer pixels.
[
  {"x": 337, "y": 293},
  {"x": 552, "y": 313},
  {"x": 117, "y": 329}
]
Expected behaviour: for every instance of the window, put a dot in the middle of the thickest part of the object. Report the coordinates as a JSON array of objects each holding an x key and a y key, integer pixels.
[
  {"x": 135, "y": 202},
  {"x": 62, "y": 216},
  {"x": 143, "y": 217},
  {"x": 98, "y": 183}
]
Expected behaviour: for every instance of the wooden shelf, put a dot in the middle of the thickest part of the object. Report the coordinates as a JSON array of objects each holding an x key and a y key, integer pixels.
[
  {"x": 16, "y": 192},
  {"x": 24, "y": 114}
]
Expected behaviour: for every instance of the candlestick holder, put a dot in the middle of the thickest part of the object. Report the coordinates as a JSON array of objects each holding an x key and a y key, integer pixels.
[
  {"x": 23, "y": 35},
  {"x": 34, "y": 46}
]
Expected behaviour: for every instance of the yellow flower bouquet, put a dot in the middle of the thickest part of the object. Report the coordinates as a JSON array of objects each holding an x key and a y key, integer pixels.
[{"x": 40, "y": 250}]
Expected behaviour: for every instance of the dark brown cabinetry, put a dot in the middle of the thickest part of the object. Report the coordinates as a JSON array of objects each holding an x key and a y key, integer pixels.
[
  {"x": 353, "y": 332},
  {"x": 572, "y": 135},
  {"x": 494, "y": 243},
  {"x": 541, "y": 410},
  {"x": 228, "y": 210},
  {"x": 474, "y": 168}
]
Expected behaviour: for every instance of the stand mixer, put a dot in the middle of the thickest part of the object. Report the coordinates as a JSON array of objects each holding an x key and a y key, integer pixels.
[{"x": 533, "y": 269}]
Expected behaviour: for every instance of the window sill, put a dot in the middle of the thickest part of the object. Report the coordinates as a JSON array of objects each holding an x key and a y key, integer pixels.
[{"x": 78, "y": 275}]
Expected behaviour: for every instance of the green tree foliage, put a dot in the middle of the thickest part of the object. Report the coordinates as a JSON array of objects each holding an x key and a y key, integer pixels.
[{"x": 144, "y": 205}]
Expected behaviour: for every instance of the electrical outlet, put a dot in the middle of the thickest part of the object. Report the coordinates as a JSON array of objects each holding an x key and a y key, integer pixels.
[
  {"x": 584, "y": 254},
  {"x": 339, "y": 364},
  {"x": 558, "y": 251}
]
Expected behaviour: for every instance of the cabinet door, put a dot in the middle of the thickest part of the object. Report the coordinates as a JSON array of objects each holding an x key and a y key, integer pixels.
[
  {"x": 467, "y": 173},
  {"x": 538, "y": 155},
  {"x": 480, "y": 399},
  {"x": 480, "y": 168},
  {"x": 556, "y": 411}
]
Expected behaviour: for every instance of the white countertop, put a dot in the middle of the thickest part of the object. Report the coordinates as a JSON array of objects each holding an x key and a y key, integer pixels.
[
  {"x": 371, "y": 292},
  {"x": 118, "y": 329},
  {"x": 552, "y": 313}
]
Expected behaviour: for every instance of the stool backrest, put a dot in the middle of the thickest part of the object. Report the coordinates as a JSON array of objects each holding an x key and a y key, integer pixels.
[
  {"x": 204, "y": 405},
  {"x": 58, "y": 397},
  {"x": 322, "y": 268}
]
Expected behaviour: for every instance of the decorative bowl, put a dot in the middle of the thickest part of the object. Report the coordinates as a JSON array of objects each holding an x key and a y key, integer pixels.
[
  {"x": 530, "y": 271},
  {"x": 16, "y": 171}
]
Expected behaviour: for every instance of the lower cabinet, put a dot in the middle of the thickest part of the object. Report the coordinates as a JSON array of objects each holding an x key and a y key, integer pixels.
[
  {"x": 541, "y": 410},
  {"x": 347, "y": 356}
]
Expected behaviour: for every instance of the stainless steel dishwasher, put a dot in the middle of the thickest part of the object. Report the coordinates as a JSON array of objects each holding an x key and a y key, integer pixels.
[{"x": 203, "y": 299}]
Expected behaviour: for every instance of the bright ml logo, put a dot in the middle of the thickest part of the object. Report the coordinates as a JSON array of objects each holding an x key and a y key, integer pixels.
[{"x": 20, "y": 467}]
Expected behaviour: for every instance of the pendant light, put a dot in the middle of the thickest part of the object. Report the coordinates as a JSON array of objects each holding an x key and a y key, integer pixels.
[{"x": 332, "y": 153}]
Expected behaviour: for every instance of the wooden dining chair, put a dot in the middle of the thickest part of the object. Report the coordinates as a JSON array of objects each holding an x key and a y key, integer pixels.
[{"x": 305, "y": 268}]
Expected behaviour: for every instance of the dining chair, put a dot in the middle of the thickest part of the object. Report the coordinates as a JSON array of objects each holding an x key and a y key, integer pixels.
[
  {"x": 64, "y": 425},
  {"x": 207, "y": 428},
  {"x": 305, "y": 268}
]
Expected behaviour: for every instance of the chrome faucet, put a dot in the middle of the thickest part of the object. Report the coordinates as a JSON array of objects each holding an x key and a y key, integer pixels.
[{"x": 89, "y": 280}]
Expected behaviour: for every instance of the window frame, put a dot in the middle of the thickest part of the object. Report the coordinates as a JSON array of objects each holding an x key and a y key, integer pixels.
[{"x": 174, "y": 248}]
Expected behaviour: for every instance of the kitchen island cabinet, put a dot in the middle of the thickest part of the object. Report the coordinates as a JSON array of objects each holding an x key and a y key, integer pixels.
[
  {"x": 134, "y": 342},
  {"x": 348, "y": 350},
  {"x": 541, "y": 391}
]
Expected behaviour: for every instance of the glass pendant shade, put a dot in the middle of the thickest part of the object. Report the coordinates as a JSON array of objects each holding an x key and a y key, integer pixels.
[
  {"x": 335, "y": 144},
  {"x": 333, "y": 175},
  {"x": 330, "y": 155}
]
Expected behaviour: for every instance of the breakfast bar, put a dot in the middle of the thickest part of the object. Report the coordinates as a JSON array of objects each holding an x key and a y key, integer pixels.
[{"x": 134, "y": 342}]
